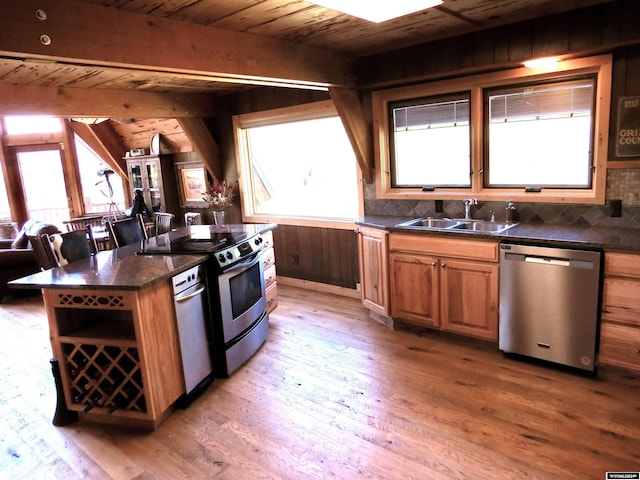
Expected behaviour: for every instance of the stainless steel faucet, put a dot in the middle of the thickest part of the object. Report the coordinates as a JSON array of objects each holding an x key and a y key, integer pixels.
[{"x": 467, "y": 207}]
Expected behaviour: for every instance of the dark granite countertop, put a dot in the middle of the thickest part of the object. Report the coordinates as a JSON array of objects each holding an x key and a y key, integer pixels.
[
  {"x": 123, "y": 268},
  {"x": 573, "y": 236}
]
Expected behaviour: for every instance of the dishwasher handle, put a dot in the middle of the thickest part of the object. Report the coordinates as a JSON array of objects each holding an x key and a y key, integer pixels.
[
  {"x": 180, "y": 299},
  {"x": 547, "y": 261}
]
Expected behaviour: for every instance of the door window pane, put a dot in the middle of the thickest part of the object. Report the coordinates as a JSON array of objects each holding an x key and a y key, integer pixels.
[
  {"x": 5, "y": 211},
  {"x": 44, "y": 186}
]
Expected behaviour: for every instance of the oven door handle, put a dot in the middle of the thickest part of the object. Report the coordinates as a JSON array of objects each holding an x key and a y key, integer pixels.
[
  {"x": 191, "y": 295},
  {"x": 250, "y": 262}
]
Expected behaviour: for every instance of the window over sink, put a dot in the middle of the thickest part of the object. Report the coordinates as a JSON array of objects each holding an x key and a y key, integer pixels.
[{"x": 522, "y": 134}]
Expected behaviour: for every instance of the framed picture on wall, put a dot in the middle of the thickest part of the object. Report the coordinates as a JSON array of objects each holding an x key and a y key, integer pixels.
[{"x": 191, "y": 179}]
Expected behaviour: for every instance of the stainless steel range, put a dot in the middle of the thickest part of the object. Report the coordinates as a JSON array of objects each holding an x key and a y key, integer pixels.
[{"x": 239, "y": 321}]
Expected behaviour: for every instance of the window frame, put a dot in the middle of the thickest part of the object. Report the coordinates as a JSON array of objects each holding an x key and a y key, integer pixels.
[
  {"x": 308, "y": 111},
  {"x": 601, "y": 66}
]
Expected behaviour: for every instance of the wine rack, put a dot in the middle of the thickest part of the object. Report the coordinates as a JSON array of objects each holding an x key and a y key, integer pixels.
[
  {"x": 117, "y": 351},
  {"x": 104, "y": 376}
]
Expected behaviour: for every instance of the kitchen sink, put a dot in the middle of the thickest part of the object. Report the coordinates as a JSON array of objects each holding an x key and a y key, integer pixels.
[
  {"x": 480, "y": 226},
  {"x": 431, "y": 223}
]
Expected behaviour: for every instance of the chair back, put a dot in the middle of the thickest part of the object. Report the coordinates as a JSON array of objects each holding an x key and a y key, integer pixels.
[
  {"x": 192, "y": 218},
  {"x": 127, "y": 231},
  {"x": 162, "y": 222},
  {"x": 58, "y": 249},
  {"x": 42, "y": 249}
]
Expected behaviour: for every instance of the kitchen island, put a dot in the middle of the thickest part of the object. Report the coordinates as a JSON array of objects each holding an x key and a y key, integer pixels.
[{"x": 113, "y": 329}]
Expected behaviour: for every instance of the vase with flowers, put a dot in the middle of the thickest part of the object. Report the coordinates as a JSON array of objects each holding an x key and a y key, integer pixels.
[{"x": 219, "y": 197}]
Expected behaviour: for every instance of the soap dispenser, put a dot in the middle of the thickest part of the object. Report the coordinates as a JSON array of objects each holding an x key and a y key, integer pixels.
[{"x": 511, "y": 214}]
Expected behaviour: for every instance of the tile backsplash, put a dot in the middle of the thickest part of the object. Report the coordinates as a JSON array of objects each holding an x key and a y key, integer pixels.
[{"x": 622, "y": 184}]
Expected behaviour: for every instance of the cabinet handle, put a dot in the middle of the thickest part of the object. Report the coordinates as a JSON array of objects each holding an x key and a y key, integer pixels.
[
  {"x": 433, "y": 264},
  {"x": 638, "y": 351},
  {"x": 444, "y": 265}
]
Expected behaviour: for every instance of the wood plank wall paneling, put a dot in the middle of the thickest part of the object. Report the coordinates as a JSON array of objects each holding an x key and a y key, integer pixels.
[
  {"x": 316, "y": 254},
  {"x": 578, "y": 31}
]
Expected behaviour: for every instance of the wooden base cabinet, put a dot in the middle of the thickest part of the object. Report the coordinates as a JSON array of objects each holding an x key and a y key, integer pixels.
[
  {"x": 445, "y": 283},
  {"x": 415, "y": 288},
  {"x": 269, "y": 263},
  {"x": 118, "y": 352},
  {"x": 374, "y": 277},
  {"x": 620, "y": 320}
]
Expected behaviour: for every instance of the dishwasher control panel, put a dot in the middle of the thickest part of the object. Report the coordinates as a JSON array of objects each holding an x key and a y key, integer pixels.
[{"x": 188, "y": 278}]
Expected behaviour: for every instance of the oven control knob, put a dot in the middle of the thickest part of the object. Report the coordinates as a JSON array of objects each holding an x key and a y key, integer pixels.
[
  {"x": 229, "y": 255},
  {"x": 258, "y": 241},
  {"x": 221, "y": 258}
]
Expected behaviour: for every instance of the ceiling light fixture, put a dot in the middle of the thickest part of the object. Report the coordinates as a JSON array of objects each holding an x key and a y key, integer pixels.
[
  {"x": 377, "y": 10},
  {"x": 545, "y": 62}
]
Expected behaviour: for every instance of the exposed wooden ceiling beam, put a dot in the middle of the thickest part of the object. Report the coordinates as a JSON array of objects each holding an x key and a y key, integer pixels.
[
  {"x": 81, "y": 33},
  {"x": 204, "y": 144},
  {"x": 84, "y": 102},
  {"x": 349, "y": 107},
  {"x": 105, "y": 143}
]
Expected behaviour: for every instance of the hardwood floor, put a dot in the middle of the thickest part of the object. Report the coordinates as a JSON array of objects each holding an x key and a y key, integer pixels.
[{"x": 332, "y": 394}]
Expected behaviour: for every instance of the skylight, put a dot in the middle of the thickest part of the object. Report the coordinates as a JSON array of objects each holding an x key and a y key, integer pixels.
[{"x": 377, "y": 11}]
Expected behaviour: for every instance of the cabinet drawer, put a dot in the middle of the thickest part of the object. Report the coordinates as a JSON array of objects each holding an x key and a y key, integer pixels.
[
  {"x": 620, "y": 346},
  {"x": 268, "y": 258},
  {"x": 622, "y": 264},
  {"x": 445, "y": 246},
  {"x": 272, "y": 297},
  {"x": 621, "y": 300},
  {"x": 269, "y": 276},
  {"x": 267, "y": 238}
]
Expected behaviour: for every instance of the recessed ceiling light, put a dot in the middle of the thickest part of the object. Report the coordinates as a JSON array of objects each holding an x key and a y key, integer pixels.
[
  {"x": 546, "y": 62},
  {"x": 377, "y": 10}
]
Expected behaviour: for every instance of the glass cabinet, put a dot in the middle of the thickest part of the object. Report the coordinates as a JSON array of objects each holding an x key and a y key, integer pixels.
[{"x": 145, "y": 173}]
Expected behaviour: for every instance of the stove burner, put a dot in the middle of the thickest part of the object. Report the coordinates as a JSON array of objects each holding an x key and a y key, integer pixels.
[{"x": 225, "y": 248}]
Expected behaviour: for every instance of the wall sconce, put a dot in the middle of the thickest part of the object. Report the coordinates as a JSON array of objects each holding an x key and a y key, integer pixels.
[{"x": 544, "y": 62}]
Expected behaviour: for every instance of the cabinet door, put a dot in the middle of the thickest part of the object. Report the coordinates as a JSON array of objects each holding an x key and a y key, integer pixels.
[
  {"x": 469, "y": 294},
  {"x": 414, "y": 288},
  {"x": 154, "y": 185},
  {"x": 135, "y": 176},
  {"x": 374, "y": 280}
]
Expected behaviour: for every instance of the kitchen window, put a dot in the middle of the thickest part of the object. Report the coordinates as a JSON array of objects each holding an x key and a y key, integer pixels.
[
  {"x": 522, "y": 134},
  {"x": 297, "y": 166},
  {"x": 539, "y": 136},
  {"x": 427, "y": 134}
]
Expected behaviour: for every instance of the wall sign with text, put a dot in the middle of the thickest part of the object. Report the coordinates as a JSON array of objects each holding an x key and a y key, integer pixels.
[{"x": 628, "y": 134}]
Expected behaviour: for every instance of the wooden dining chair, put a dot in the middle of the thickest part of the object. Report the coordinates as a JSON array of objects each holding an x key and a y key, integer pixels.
[
  {"x": 162, "y": 222},
  {"x": 59, "y": 249},
  {"x": 127, "y": 231}
]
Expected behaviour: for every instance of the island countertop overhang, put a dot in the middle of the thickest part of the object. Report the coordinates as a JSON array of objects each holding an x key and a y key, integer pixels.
[
  {"x": 125, "y": 268},
  {"x": 119, "y": 269}
]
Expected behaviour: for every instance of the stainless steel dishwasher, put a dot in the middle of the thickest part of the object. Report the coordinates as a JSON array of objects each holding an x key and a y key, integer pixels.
[
  {"x": 549, "y": 303},
  {"x": 191, "y": 307}
]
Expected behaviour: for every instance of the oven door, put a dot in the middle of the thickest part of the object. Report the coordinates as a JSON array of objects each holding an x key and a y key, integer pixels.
[{"x": 242, "y": 297}]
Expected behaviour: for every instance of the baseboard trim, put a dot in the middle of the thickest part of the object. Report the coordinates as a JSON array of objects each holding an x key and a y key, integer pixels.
[{"x": 318, "y": 287}]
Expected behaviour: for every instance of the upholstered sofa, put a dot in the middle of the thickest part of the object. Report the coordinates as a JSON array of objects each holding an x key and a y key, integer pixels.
[{"x": 17, "y": 258}]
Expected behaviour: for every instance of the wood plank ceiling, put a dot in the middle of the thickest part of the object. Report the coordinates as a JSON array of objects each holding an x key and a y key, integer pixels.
[
  {"x": 196, "y": 47},
  {"x": 292, "y": 21}
]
